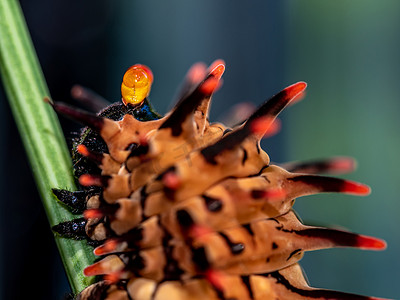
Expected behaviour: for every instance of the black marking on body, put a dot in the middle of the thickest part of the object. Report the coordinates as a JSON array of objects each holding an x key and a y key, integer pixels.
[
  {"x": 172, "y": 270},
  {"x": 246, "y": 282},
  {"x": 248, "y": 228},
  {"x": 212, "y": 204},
  {"x": 274, "y": 246},
  {"x": 183, "y": 110},
  {"x": 245, "y": 156},
  {"x": 236, "y": 248},
  {"x": 257, "y": 194},
  {"x": 227, "y": 142},
  {"x": 258, "y": 147},
  {"x": 137, "y": 150},
  {"x": 227, "y": 130},
  {"x": 266, "y": 178},
  {"x": 294, "y": 252},
  {"x": 199, "y": 257},
  {"x": 275, "y": 220},
  {"x": 143, "y": 198},
  {"x": 184, "y": 219},
  {"x": 134, "y": 262}
]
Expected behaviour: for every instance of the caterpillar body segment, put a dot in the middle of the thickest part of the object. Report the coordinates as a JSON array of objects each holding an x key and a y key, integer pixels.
[
  {"x": 288, "y": 283},
  {"x": 181, "y": 208}
]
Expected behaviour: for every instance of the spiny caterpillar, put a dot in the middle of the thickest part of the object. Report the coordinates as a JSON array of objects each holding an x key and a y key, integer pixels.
[{"x": 181, "y": 208}]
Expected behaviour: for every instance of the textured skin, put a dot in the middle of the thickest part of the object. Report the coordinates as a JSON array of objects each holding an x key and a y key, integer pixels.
[{"x": 183, "y": 209}]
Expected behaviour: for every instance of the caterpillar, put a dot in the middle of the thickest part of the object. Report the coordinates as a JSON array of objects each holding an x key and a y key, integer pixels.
[{"x": 180, "y": 208}]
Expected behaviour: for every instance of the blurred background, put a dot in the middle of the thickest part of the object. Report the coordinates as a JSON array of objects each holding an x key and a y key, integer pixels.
[{"x": 347, "y": 51}]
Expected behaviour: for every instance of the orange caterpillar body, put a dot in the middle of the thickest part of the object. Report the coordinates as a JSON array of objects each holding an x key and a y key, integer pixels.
[{"x": 185, "y": 209}]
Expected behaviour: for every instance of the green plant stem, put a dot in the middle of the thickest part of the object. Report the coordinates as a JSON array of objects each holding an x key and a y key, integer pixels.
[{"x": 40, "y": 131}]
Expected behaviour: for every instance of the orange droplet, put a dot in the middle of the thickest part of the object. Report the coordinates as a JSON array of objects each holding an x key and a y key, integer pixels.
[{"x": 136, "y": 84}]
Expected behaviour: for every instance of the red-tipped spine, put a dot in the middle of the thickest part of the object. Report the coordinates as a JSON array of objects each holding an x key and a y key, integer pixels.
[
  {"x": 93, "y": 213},
  {"x": 112, "y": 277},
  {"x": 94, "y": 156},
  {"x": 320, "y": 238},
  {"x": 108, "y": 247},
  {"x": 355, "y": 188},
  {"x": 265, "y": 126},
  {"x": 370, "y": 243},
  {"x": 273, "y": 107},
  {"x": 88, "y": 119},
  {"x": 217, "y": 68},
  {"x": 335, "y": 165},
  {"x": 94, "y": 269},
  {"x": 215, "y": 278},
  {"x": 302, "y": 185},
  {"x": 93, "y": 180}
]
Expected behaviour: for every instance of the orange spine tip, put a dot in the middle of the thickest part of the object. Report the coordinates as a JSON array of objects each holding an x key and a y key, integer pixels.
[
  {"x": 82, "y": 149},
  {"x": 370, "y": 243},
  {"x": 171, "y": 180},
  {"x": 218, "y": 69},
  {"x": 94, "y": 156},
  {"x": 215, "y": 64},
  {"x": 93, "y": 213},
  {"x": 355, "y": 188},
  {"x": 91, "y": 180},
  {"x": 295, "y": 89},
  {"x": 215, "y": 278},
  {"x": 265, "y": 126},
  {"x": 112, "y": 278},
  {"x": 93, "y": 270},
  {"x": 210, "y": 86},
  {"x": 107, "y": 247},
  {"x": 342, "y": 164},
  {"x": 275, "y": 194},
  {"x": 298, "y": 98},
  {"x": 198, "y": 231}
]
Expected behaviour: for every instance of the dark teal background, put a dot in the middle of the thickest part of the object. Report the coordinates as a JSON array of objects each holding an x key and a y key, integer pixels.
[{"x": 347, "y": 51}]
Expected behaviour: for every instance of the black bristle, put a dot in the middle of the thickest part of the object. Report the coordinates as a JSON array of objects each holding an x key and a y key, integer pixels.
[
  {"x": 74, "y": 229},
  {"x": 76, "y": 201}
]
